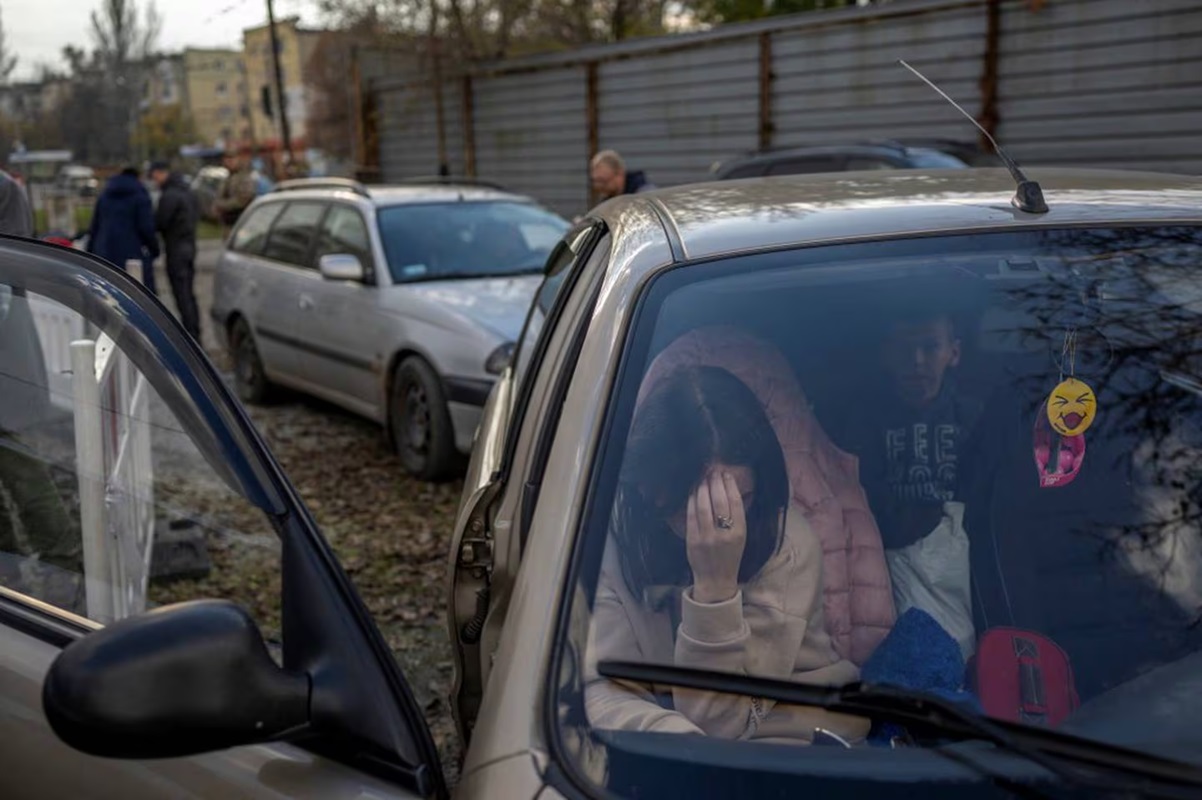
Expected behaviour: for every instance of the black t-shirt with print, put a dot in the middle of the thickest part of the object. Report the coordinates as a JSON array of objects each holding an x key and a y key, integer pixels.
[{"x": 910, "y": 459}]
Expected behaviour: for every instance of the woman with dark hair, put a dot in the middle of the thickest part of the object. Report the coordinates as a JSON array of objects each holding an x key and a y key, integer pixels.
[{"x": 710, "y": 565}]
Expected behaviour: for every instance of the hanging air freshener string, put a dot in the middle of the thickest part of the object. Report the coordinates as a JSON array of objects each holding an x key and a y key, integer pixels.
[
  {"x": 1068, "y": 354},
  {"x": 1072, "y": 405},
  {"x": 1069, "y": 410}
]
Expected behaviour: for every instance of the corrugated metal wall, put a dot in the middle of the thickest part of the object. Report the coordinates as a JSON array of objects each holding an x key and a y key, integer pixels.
[
  {"x": 1104, "y": 82},
  {"x": 674, "y": 114},
  {"x": 530, "y": 135},
  {"x": 1082, "y": 82},
  {"x": 841, "y": 84},
  {"x": 409, "y": 131}
]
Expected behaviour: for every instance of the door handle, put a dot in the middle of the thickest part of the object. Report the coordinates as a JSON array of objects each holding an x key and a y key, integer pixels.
[{"x": 305, "y": 302}]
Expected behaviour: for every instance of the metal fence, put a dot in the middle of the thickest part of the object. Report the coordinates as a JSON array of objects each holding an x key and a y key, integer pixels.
[{"x": 1080, "y": 82}]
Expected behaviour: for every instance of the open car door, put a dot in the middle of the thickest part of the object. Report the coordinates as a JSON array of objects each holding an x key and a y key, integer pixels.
[{"x": 131, "y": 480}]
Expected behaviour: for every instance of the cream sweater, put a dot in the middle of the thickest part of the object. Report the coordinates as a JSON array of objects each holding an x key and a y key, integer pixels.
[{"x": 772, "y": 628}]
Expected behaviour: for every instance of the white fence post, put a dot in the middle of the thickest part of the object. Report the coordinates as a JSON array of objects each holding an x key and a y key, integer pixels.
[
  {"x": 89, "y": 461},
  {"x": 128, "y": 478}
]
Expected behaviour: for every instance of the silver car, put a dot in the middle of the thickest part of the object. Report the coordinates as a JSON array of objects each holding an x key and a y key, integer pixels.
[
  {"x": 801, "y": 300},
  {"x": 401, "y": 304}
]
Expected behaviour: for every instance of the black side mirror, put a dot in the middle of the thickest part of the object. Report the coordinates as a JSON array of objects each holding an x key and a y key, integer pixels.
[{"x": 181, "y": 680}]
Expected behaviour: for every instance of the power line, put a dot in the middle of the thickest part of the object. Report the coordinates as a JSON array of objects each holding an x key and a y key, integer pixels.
[{"x": 227, "y": 10}]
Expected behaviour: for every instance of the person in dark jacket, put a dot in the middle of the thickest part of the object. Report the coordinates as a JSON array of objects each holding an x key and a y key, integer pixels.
[
  {"x": 175, "y": 219},
  {"x": 123, "y": 225}
]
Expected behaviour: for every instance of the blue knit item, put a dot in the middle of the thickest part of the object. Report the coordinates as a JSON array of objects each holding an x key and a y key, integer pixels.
[{"x": 917, "y": 654}]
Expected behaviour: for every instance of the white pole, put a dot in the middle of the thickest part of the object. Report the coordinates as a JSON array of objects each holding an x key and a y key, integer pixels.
[
  {"x": 89, "y": 469},
  {"x": 132, "y": 264}
]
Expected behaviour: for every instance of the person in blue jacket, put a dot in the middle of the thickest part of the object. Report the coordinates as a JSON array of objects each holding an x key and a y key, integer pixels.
[{"x": 123, "y": 225}]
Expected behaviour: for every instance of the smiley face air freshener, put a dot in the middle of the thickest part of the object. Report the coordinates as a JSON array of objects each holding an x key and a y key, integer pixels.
[
  {"x": 1071, "y": 407},
  {"x": 1069, "y": 411}
]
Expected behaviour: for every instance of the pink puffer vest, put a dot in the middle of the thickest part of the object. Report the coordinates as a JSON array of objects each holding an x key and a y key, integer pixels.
[{"x": 858, "y": 599}]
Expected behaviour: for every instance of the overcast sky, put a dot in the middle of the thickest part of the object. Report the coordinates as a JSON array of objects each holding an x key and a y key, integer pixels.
[{"x": 37, "y": 30}]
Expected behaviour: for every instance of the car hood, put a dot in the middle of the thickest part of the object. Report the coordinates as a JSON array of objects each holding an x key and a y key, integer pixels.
[{"x": 499, "y": 304}]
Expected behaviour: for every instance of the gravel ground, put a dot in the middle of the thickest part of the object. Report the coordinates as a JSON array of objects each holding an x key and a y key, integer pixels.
[{"x": 391, "y": 532}]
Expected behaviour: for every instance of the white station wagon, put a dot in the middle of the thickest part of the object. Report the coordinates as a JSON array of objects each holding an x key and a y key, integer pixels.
[{"x": 401, "y": 304}]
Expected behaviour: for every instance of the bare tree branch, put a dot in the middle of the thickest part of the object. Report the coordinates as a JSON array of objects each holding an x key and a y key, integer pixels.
[{"x": 8, "y": 62}]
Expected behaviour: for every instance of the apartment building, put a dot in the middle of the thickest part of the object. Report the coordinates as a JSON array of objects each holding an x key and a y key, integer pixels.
[
  {"x": 296, "y": 45},
  {"x": 218, "y": 98}
]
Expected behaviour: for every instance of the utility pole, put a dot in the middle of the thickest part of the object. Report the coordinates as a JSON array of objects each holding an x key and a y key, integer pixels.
[{"x": 281, "y": 100}]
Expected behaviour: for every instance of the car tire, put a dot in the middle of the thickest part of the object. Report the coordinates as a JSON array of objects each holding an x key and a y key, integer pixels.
[
  {"x": 250, "y": 379},
  {"x": 420, "y": 423}
]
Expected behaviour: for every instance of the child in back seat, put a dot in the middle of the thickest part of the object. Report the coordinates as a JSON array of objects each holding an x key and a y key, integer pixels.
[{"x": 909, "y": 429}]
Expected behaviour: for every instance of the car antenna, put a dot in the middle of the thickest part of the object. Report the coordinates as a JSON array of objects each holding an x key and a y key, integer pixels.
[{"x": 1029, "y": 196}]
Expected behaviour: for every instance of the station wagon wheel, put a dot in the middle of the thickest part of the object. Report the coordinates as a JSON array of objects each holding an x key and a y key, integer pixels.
[
  {"x": 250, "y": 379},
  {"x": 420, "y": 422}
]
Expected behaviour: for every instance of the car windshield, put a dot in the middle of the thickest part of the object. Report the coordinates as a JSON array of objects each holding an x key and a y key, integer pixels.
[
  {"x": 467, "y": 239},
  {"x": 968, "y": 466},
  {"x": 925, "y": 158}
]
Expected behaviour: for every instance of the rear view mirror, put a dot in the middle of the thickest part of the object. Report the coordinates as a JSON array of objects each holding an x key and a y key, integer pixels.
[
  {"x": 341, "y": 267},
  {"x": 182, "y": 680}
]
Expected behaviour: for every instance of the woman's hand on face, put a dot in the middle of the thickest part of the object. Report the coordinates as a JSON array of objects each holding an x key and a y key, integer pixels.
[{"x": 715, "y": 551}]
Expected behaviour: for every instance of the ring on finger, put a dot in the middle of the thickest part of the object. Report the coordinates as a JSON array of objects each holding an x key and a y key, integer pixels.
[{"x": 726, "y": 523}]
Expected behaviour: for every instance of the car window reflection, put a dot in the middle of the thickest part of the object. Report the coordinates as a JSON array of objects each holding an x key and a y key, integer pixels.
[{"x": 107, "y": 507}]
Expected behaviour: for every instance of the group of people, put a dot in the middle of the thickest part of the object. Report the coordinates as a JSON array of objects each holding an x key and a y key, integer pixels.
[
  {"x": 741, "y": 552},
  {"x": 126, "y": 225}
]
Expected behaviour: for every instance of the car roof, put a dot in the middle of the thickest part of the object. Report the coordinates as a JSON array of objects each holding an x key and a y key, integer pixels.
[
  {"x": 726, "y": 217},
  {"x": 400, "y": 195},
  {"x": 383, "y": 196}
]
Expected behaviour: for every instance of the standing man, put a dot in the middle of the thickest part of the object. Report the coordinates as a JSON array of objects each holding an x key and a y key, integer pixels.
[
  {"x": 123, "y": 225},
  {"x": 610, "y": 177},
  {"x": 238, "y": 190},
  {"x": 176, "y": 219}
]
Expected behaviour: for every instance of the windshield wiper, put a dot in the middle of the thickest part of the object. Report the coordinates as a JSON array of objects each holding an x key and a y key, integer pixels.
[{"x": 880, "y": 702}]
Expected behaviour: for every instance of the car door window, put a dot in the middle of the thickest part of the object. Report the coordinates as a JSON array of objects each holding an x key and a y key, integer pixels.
[
  {"x": 252, "y": 233},
  {"x": 293, "y": 234},
  {"x": 528, "y": 419},
  {"x": 107, "y": 506},
  {"x": 563, "y": 262},
  {"x": 345, "y": 232}
]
